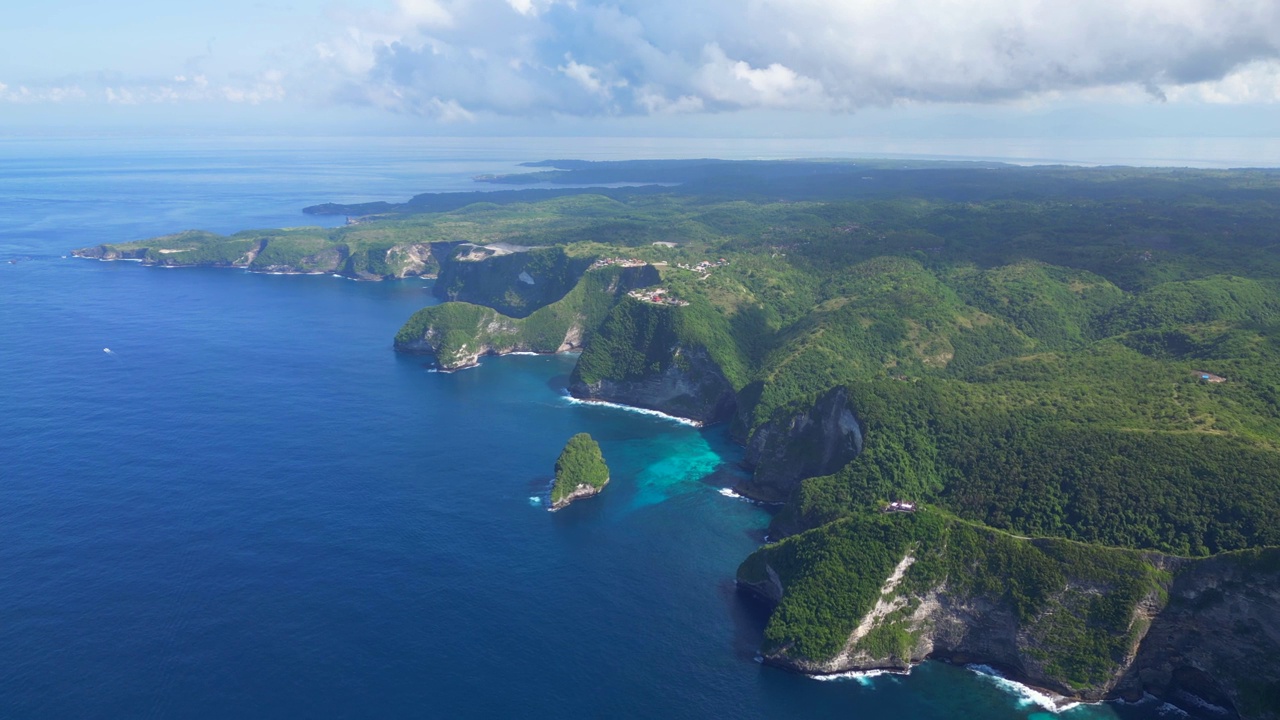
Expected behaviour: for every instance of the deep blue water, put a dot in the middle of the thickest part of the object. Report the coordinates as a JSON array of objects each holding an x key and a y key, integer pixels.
[{"x": 252, "y": 507}]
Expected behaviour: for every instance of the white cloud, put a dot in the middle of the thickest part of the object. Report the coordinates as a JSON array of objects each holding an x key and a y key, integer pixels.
[
  {"x": 449, "y": 111},
  {"x": 37, "y": 95},
  {"x": 659, "y": 56},
  {"x": 654, "y": 102},
  {"x": 457, "y": 59},
  {"x": 1256, "y": 82},
  {"x": 535, "y": 7},
  {"x": 425, "y": 13},
  {"x": 736, "y": 83},
  {"x": 590, "y": 78}
]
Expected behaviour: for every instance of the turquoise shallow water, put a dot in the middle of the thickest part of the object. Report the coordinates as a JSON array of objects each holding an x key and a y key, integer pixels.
[{"x": 252, "y": 507}]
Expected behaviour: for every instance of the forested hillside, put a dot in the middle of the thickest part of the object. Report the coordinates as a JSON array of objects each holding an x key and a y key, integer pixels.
[{"x": 1072, "y": 375}]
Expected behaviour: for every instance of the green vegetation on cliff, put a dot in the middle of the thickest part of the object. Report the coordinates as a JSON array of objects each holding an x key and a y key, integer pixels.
[
  {"x": 1072, "y": 604},
  {"x": 637, "y": 338},
  {"x": 513, "y": 283},
  {"x": 458, "y": 332},
  {"x": 354, "y": 251},
  {"x": 580, "y": 470}
]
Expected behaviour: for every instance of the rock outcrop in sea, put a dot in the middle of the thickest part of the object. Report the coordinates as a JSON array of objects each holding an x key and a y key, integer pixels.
[{"x": 580, "y": 472}]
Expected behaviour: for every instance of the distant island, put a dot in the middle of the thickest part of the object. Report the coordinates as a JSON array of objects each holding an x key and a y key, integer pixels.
[
  {"x": 1071, "y": 374},
  {"x": 580, "y": 471}
]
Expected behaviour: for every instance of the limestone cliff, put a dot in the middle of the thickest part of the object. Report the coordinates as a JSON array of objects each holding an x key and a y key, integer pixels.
[
  {"x": 653, "y": 356},
  {"x": 690, "y": 386},
  {"x": 512, "y": 279},
  {"x": 1084, "y": 622},
  {"x": 458, "y": 334},
  {"x": 797, "y": 444},
  {"x": 1218, "y": 639}
]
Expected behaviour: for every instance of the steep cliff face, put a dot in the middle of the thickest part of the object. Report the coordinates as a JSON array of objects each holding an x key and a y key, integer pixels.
[
  {"x": 110, "y": 252},
  {"x": 690, "y": 386},
  {"x": 460, "y": 333},
  {"x": 411, "y": 259},
  {"x": 514, "y": 280},
  {"x": 644, "y": 355},
  {"x": 1089, "y": 623},
  {"x": 794, "y": 445},
  {"x": 1218, "y": 639}
]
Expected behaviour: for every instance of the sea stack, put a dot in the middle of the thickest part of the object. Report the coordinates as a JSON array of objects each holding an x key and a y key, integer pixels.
[{"x": 580, "y": 471}]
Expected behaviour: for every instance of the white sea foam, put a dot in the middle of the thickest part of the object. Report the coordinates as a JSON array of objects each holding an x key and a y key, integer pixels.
[
  {"x": 863, "y": 677},
  {"x": 1171, "y": 710},
  {"x": 1202, "y": 704},
  {"x": 1026, "y": 696},
  {"x": 524, "y": 352},
  {"x": 535, "y": 501},
  {"x": 728, "y": 492},
  {"x": 629, "y": 408}
]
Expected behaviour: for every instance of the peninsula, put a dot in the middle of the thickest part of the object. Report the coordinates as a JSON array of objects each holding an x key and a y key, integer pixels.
[
  {"x": 580, "y": 471},
  {"x": 1029, "y": 357}
]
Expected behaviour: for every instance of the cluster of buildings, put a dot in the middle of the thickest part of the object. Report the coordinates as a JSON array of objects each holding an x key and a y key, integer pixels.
[
  {"x": 896, "y": 506},
  {"x": 703, "y": 267},
  {"x": 623, "y": 262},
  {"x": 657, "y": 296}
]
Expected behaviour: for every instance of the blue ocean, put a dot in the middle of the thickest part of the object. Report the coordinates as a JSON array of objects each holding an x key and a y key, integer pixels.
[{"x": 223, "y": 495}]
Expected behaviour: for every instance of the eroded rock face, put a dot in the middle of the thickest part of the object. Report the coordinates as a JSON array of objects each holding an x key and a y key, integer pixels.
[
  {"x": 1218, "y": 639},
  {"x": 580, "y": 492},
  {"x": 512, "y": 279},
  {"x": 691, "y": 386},
  {"x": 458, "y": 334},
  {"x": 412, "y": 259},
  {"x": 1208, "y": 641},
  {"x": 195, "y": 249},
  {"x": 494, "y": 334},
  {"x": 106, "y": 252},
  {"x": 793, "y": 446}
]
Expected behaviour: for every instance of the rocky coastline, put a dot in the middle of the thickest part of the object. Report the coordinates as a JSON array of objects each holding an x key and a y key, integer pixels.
[
  {"x": 679, "y": 377},
  {"x": 578, "y": 493}
]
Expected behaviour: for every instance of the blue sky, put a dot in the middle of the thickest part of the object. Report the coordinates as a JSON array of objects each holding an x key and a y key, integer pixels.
[{"x": 801, "y": 68}]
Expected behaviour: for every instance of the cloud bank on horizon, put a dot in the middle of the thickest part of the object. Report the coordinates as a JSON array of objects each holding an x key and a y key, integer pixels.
[{"x": 455, "y": 60}]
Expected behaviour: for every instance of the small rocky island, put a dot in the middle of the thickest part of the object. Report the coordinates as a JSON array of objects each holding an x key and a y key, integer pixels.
[{"x": 580, "y": 471}]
